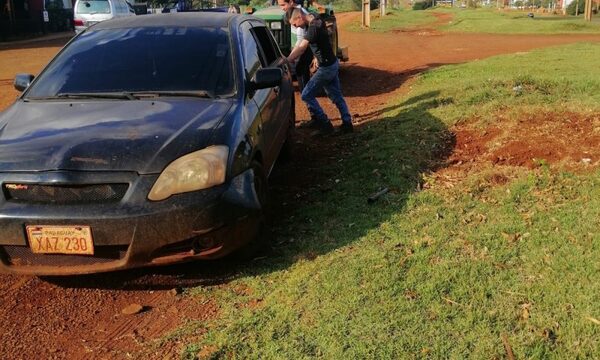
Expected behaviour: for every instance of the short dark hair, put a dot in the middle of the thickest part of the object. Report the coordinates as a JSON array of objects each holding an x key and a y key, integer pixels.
[{"x": 290, "y": 13}]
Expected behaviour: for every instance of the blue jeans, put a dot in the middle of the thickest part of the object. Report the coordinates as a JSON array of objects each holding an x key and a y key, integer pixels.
[{"x": 326, "y": 78}]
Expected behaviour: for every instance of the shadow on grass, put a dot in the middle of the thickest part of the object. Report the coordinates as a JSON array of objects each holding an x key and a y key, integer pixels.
[
  {"x": 361, "y": 81},
  {"x": 320, "y": 196},
  {"x": 357, "y": 80}
]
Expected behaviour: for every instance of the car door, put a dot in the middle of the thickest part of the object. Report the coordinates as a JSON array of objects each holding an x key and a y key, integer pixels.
[
  {"x": 276, "y": 112},
  {"x": 266, "y": 99},
  {"x": 114, "y": 8},
  {"x": 122, "y": 8},
  {"x": 253, "y": 99},
  {"x": 130, "y": 9}
]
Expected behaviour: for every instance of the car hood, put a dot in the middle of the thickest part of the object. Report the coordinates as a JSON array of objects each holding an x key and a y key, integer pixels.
[{"x": 137, "y": 135}]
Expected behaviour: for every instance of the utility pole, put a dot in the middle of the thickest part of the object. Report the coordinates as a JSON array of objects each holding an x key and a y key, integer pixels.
[
  {"x": 366, "y": 13},
  {"x": 382, "y": 6},
  {"x": 588, "y": 10}
]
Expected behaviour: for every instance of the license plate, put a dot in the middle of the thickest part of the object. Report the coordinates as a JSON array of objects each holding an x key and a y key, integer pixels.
[{"x": 50, "y": 239}]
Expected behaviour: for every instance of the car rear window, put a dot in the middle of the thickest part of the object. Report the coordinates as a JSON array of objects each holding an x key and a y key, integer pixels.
[
  {"x": 141, "y": 59},
  {"x": 93, "y": 7}
]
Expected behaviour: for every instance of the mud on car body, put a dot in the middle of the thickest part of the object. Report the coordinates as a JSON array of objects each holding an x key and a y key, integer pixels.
[{"x": 146, "y": 140}]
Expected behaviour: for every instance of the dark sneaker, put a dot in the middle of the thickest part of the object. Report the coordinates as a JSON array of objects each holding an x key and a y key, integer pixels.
[
  {"x": 346, "y": 128},
  {"x": 324, "y": 129},
  {"x": 311, "y": 124}
]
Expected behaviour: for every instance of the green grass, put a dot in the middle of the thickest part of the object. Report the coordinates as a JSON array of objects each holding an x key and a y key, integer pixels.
[
  {"x": 562, "y": 78},
  {"x": 443, "y": 272},
  {"x": 481, "y": 21},
  {"x": 395, "y": 19},
  {"x": 498, "y": 22},
  {"x": 344, "y": 5}
]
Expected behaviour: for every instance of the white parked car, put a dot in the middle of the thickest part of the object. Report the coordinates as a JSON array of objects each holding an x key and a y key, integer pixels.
[{"x": 90, "y": 12}]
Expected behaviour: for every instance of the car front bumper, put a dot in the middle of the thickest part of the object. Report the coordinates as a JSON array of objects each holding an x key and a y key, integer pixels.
[{"x": 132, "y": 232}]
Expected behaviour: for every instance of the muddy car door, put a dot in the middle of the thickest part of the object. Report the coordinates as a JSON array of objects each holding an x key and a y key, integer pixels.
[
  {"x": 274, "y": 103},
  {"x": 276, "y": 126}
]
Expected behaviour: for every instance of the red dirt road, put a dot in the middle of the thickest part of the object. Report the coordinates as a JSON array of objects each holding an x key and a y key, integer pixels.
[{"x": 81, "y": 318}]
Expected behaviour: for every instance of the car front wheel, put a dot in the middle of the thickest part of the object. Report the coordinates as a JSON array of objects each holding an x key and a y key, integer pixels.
[{"x": 261, "y": 241}]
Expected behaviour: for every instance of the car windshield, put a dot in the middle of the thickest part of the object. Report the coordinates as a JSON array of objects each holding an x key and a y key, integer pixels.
[
  {"x": 93, "y": 7},
  {"x": 163, "y": 60}
]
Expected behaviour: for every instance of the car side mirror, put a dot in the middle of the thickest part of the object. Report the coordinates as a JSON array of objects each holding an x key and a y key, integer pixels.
[
  {"x": 22, "y": 81},
  {"x": 266, "y": 78}
]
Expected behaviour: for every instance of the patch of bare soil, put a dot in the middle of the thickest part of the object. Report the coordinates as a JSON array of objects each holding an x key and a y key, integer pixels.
[
  {"x": 430, "y": 29},
  {"x": 566, "y": 139},
  {"x": 41, "y": 320},
  {"x": 82, "y": 319}
]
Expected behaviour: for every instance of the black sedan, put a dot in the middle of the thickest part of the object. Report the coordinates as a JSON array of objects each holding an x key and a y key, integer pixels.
[{"x": 147, "y": 140}]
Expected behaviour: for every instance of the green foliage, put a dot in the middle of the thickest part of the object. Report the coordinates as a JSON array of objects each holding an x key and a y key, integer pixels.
[
  {"x": 374, "y": 4},
  {"x": 481, "y": 20},
  {"x": 493, "y": 21},
  {"x": 258, "y": 3},
  {"x": 395, "y": 19},
  {"x": 576, "y": 7},
  {"x": 422, "y": 5},
  {"x": 512, "y": 83}
]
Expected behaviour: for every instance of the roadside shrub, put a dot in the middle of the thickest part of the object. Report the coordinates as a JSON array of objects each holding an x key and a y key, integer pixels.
[
  {"x": 374, "y": 4},
  {"x": 422, "y": 5},
  {"x": 574, "y": 5}
]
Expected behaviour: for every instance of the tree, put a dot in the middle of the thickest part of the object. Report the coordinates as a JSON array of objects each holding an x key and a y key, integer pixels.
[{"x": 576, "y": 7}]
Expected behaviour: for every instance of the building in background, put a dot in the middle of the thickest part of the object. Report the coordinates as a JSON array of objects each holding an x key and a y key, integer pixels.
[{"x": 28, "y": 17}]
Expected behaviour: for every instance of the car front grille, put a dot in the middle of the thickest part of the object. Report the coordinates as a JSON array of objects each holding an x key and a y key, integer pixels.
[
  {"x": 64, "y": 194},
  {"x": 23, "y": 256}
]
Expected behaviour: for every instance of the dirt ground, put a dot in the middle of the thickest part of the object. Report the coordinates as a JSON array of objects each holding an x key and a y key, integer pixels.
[{"x": 81, "y": 318}]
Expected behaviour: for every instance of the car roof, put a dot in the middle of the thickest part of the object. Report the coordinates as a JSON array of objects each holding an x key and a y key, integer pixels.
[{"x": 189, "y": 19}]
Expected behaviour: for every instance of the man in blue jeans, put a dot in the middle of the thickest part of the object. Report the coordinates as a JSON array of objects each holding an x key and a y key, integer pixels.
[{"x": 326, "y": 77}]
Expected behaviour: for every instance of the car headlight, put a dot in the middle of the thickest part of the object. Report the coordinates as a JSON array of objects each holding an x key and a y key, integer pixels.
[
  {"x": 276, "y": 25},
  {"x": 195, "y": 171}
]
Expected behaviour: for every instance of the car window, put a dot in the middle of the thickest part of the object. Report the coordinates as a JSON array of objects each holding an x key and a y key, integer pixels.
[
  {"x": 130, "y": 7},
  {"x": 269, "y": 55},
  {"x": 141, "y": 59},
  {"x": 93, "y": 7},
  {"x": 251, "y": 51},
  {"x": 118, "y": 6},
  {"x": 124, "y": 9}
]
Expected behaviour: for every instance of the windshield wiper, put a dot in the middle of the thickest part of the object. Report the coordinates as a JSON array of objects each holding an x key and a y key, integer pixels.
[
  {"x": 99, "y": 95},
  {"x": 151, "y": 94},
  {"x": 126, "y": 95}
]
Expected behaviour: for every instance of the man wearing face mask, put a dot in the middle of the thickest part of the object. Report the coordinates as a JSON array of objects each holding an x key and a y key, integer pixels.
[
  {"x": 327, "y": 76},
  {"x": 303, "y": 65}
]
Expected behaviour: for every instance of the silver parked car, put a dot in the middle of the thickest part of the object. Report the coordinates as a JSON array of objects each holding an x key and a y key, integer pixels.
[{"x": 90, "y": 12}]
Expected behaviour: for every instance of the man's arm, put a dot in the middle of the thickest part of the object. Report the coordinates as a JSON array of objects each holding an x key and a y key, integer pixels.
[
  {"x": 299, "y": 36},
  {"x": 298, "y": 51}
]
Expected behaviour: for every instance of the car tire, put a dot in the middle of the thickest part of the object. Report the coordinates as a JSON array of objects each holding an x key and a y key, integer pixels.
[{"x": 261, "y": 242}]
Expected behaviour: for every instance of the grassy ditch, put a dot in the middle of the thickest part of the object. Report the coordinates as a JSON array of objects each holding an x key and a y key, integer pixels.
[
  {"x": 560, "y": 79},
  {"x": 512, "y": 22},
  {"x": 455, "y": 261},
  {"x": 399, "y": 18},
  {"x": 480, "y": 21}
]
